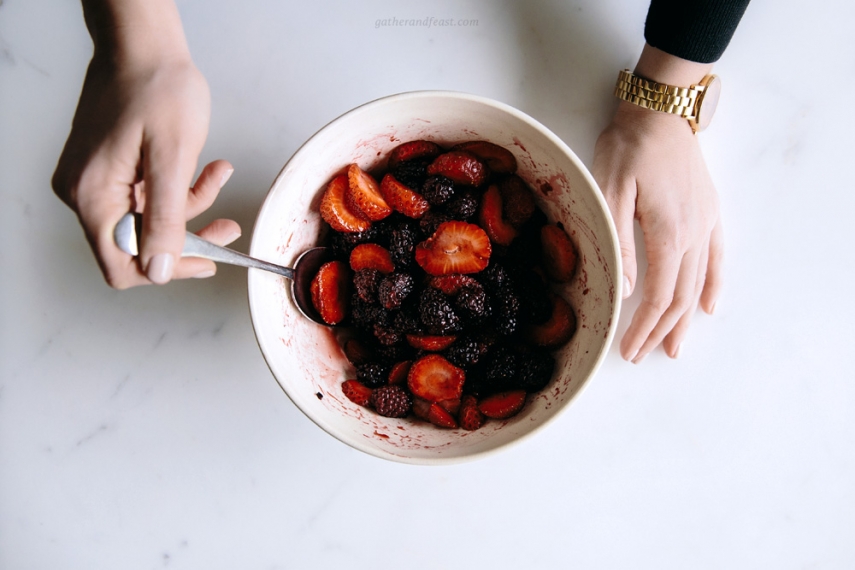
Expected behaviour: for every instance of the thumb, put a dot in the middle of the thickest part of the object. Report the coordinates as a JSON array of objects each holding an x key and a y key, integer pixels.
[
  {"x": 622, "y": 205},
  {"x": 167, "y": 176}
]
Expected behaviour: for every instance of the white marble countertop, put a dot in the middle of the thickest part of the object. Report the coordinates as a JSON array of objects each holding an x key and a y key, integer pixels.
[{"x": 142, "y": 429}]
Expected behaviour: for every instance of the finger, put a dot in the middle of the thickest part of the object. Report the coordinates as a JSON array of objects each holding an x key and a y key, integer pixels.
[
  {"x": 657, "y": 295},
  {"x": 713, "y": 283},
  {"x": 168, "y": 171},
  {"x": 220, "y": 232},
  {"x": 213, "y": 177},
  {"x": 683, "y": 297},
  {"x": 622, "y": 206},
  {"x": 674, "y": 339}
]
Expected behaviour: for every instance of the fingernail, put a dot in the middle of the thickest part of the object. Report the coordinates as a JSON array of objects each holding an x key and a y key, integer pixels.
[
  {"x": 638, "y": 358},
  {"x": 232, "y": 237},
  {"x": 677, "y": 351},
  {"x": 205, "y": 274},
  {"x": 627, "y": 287},
  {"x": 631, "y": 357},
  {"x": 712, "y": 309},
  {"x": 159, "y": 268},
  {"x": 226, "y": 175}
]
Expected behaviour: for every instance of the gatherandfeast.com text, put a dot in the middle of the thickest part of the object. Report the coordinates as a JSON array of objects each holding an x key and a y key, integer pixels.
[{"x": 429, "y": 22}]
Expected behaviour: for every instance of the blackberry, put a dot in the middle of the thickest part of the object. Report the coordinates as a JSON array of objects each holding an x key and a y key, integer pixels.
[
  {"x": 463, "y": 206},
  {"x": 432, "y": 220},
  {"x": 395, "y": 352},
  {"x": 406, "y": 321},
  {"x": 437, "y": 314},
  {"x": 343, "y": 243},
  {"x": 402, "y": 244},
  {"x": 411, "y": 173},
  {"x": 391, "y": 401},
  {"x": 437, "y": 189},
  {"x": 535, "y": 306},
  {"x": 466, "y": 352},
  {"x": 495, "y": 277},
  {"x": 366, "y": 314},
  {"x": 535, "y": 371},
  {"x": 501, "y": 368},
  {"x": 393, "y": 289},
  {"x": 365, "y": 281},
  {"x": 471, "y": 302},
  {"x": 373, "y": 374},
  {"x": 506, "y": 315},
  {"x": 386, "y": 335}
]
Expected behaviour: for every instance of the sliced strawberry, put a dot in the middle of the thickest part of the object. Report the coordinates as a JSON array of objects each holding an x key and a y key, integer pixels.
[
  {"x": 356, "y": 351},
  {"x": 363, "y": 195},
  {"x": 498, "y": 159},
  {"x": 558, "y": 329},
  {"x": 356, "y": 392},
  {"x": 451, "y": 406},
  {"x": 455, "y": 247},
  {"x": 433, "y": 378},
  {"x": 502, "y": 405},
  {"x": 441, "y": 418},
  {"x": 421, "y": 408},
  {"x": 431, "y": 343},
  {"x": 450, "y": 284},
  {"x": 371, "y": 256},
  {"x": 402, "y": 198},
  {"x": 517, "y": 200},
  {"x": 398, "y": 373},
  {"x": 461, "y": 167},
  {"x": 330, "y": 290},
  {"x": 490, "y": 218},
  {"x": 413, "y": 150},
  {"x": 559, "y": 254},
  {"x": 469, "y": 416},
  {"x": 335, "y": 211}
]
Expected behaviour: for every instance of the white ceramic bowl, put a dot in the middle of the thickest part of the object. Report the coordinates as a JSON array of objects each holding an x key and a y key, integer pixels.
[{"x": 306, "y": 359}]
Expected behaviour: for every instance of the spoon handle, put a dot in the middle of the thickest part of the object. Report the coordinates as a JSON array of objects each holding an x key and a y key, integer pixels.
[
  {"x": 127, "y": 238},
  {"x": 194, "y": 246}
]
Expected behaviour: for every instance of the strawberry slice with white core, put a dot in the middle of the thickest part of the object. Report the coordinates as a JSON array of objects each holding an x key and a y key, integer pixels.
[{"x": 455, "y": 247}]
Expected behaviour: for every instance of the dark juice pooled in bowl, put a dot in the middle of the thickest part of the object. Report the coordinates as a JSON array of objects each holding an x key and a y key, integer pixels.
[{"x": 442, "y": 284}]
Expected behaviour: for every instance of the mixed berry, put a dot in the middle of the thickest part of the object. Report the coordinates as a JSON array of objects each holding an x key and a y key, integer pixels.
[{"x": 442, "y": 275}]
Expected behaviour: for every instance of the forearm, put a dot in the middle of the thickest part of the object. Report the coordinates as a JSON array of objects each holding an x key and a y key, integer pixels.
[{"x": 138, "y": 31}]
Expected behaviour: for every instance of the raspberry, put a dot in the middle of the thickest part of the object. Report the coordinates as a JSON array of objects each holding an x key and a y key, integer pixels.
[
  {"x": 365, "y": 281},
  {"x": 535, "y": 371},
  {"x": 437, "y": 190},
  {"x": 402, "y": 244},
  {"x": 463, "y": 206},
  {"x": 372, "y": 374},
  {"x": 393, "y": 289},
  {"x": 437, "y": 314},
  {"x": 391, "y": 401}
]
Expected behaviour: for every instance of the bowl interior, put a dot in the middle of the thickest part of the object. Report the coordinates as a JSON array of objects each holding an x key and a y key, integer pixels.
[{"x": 306, "y": 358}]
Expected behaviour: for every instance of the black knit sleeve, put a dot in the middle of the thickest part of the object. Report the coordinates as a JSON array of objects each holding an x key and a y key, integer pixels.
[{"x": 697, "y": 30}]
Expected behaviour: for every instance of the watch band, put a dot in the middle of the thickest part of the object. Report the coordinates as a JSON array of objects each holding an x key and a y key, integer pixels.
[{"x": 657, "y": 96}]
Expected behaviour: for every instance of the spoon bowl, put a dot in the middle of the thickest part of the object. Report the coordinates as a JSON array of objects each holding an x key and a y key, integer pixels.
[{"x": 127, "y": 238}]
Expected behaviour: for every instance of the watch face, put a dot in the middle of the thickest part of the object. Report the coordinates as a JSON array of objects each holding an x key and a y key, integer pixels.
[{"x": 708, "y": 102}]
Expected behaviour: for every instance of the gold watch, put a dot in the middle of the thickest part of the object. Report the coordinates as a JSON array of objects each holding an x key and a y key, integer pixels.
[{"x": 697, "y": 103}]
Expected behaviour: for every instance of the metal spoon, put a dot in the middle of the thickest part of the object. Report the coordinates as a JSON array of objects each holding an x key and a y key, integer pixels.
[{"x": 305, "y": 268}]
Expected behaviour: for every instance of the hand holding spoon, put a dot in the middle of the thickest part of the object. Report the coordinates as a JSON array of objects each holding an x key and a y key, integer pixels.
[{"x": 305, "y": 268}]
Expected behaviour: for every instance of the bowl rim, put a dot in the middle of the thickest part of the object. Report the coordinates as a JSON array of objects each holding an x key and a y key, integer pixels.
[{"x": 613, "y": 250}]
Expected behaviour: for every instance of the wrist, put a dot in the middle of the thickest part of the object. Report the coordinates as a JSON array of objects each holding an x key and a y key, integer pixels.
[
  {"x": 661, "y": 67},
  {"x": 136, "y": 32}
]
